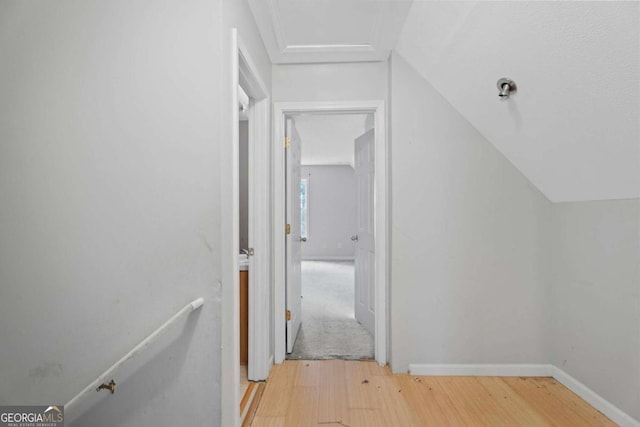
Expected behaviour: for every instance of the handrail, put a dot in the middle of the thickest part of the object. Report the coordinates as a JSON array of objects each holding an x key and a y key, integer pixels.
[{"x": 192, "y": 306}]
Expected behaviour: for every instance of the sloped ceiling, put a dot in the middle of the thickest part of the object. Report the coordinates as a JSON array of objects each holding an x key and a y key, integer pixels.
[
  {"x": 573, "y": 126},
  {"x": 307, "y": 31},
  {"x": 328, "y": 139}
]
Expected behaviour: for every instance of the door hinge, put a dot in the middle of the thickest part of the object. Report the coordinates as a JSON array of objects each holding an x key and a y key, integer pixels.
[
  {"x": 288, "y": 314},
  {"x": 287, "y": 229},
  {"x": 287, "y": 142}
]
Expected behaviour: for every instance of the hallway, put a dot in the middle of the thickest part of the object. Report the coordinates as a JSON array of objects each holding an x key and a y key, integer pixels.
[
  {"x": 504, "y": 236},
  {"x": 363, "y": 394}
]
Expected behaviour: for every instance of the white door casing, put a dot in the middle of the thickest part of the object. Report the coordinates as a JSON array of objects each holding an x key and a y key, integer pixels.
[
  {"x": 293, "y": 249},
  {"x": 282, "y": 110},
  {"x": 260, "y": 356},
  {"x": 364, "y": 239},
  {"x": 243, "y": 70}
]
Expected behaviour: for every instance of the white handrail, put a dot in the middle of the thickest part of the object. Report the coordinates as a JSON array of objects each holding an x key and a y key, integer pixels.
[{"x": 192, "y": 306}]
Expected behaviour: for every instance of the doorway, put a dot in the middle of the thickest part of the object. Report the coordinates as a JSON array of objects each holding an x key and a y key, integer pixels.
[
  {"x": 244, "y": 240},
  {"x": 244, "y": 72},
  {"x": 330, "y": 214},
  {"x": 378, "y": 220}
]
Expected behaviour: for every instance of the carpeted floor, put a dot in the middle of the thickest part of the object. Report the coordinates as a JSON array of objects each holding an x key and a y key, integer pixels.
[{"x": 329, "y": 329}]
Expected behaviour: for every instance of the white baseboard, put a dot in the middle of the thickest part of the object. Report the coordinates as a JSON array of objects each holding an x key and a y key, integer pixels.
[
  {"x": 471, "y": 370},
  {"x": 594, "y": 399},
  {"x": 525, "y": 370},
  {"x": 328, "y": 258}
]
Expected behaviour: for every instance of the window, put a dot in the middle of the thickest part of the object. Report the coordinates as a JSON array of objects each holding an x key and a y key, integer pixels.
[{"x": 304, "y": 207}]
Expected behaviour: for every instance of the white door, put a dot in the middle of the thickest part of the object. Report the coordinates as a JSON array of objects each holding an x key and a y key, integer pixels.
[
  {"x": 365, "y": 238},
  {"x": 293, "y": 240}
]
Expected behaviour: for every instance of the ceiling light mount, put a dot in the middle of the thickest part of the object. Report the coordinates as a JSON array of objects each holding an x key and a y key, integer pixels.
[{"x": 507, "y": 87}]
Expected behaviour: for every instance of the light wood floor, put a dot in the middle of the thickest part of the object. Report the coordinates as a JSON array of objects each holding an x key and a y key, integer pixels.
[
  {"x": 244, "y": 382},
  {"x": 351, "y": 393}
]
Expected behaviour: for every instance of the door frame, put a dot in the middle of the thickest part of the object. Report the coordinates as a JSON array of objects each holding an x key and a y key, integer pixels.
[
  {"x": 259, "y": 208},
  {"x": 381, "y": 212},
  {"x": 242, "y": 70}
]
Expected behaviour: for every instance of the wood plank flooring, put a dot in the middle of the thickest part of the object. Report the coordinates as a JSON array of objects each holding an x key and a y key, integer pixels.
[{"x": 334, "y": 393}]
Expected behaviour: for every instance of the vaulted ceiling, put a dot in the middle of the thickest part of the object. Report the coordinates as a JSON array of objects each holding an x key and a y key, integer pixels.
[{"x": 573, "y": 127}]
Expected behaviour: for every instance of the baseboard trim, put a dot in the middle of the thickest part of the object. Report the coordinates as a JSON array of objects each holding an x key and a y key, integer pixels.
[
  {"x": 489, "y": 370},
  {"x": 614, "y": 413},
  {"x": 328, "y": 258},
  {"x": 530, "y": 370}
]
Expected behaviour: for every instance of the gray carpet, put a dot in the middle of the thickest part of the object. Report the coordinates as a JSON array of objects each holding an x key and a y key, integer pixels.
[{"x": 329, "y": 329}]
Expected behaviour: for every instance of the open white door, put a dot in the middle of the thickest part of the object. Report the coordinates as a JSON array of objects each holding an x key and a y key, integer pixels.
[
  {"x": 365, "y": 238},
  {"x": 293, "y": 241}
]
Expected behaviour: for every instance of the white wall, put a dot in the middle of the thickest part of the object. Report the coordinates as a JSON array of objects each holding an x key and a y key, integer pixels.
[
  {"x": 468, "y": 239},
  {"x": 595, "y": 297},
  {"x": 109, "y": 222},
  {"x": 111, "y": 163},
  {"x": 332, "y": 212},
  {"x": 330, "y": 82}
]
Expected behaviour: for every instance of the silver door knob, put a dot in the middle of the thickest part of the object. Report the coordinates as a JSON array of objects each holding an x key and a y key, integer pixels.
[
  {"x": 354, "y": 238},
  {"x": 303, "y": 239}
]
